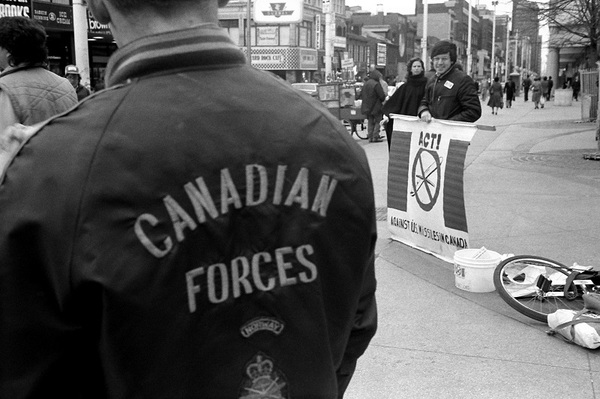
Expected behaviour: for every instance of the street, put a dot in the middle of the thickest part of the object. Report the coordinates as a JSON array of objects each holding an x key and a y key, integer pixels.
[{"x": 528, "y": 190}]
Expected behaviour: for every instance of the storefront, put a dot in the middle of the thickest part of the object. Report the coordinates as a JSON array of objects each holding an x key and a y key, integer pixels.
[
  {"x": 57, "y": 19},
  {"x": 294, "y": 64},
  {"x": 100, "y": 47}
]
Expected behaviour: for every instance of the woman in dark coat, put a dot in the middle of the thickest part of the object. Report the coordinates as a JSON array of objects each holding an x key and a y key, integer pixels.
[
  {"x": 495, "y": 96},
  {"x": 509, "y": 89},
  {"x": 407, "y": 97}
]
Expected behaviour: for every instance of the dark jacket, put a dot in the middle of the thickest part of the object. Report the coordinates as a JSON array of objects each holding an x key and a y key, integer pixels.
[
  {"x": 158, "y": 243},
  {"x": 407, "y": 98},
  {"x": 82, "y": 92},
  {"x": 372, "y": 95},
  {"x": 452, "y": 96}
]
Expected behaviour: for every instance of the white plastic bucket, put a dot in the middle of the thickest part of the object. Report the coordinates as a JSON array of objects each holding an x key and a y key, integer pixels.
[{"x": 474, "y": 269}]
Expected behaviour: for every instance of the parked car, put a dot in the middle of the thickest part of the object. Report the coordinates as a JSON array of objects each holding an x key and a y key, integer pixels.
[{"x": 310, "y": 88}]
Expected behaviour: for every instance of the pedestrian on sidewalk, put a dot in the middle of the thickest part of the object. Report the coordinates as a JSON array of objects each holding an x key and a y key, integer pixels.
[
  {"x": 451, "y": 93},
  {"x": 545, "y": 92},
  {"x": 509, "y": 91},
  {"x": 536, "y": 92},
  {"x": 485, "y": 89},
  {"x": 526, "y": 85},
  {"x": 550, "y": 86},
  {"x": 495, "y": 96},
  {"x": 407, "y": 97},
  {"x": 576, "y": 86},
  {"x": 74, "y": 77},
  {"x": 160, "y": 240},
  {"x": 373, "y": 96},
  {"x": 29, "y": 92}
]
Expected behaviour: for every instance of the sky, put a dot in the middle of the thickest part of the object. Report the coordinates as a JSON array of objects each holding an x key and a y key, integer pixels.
[{"x": 407, "y": 7}]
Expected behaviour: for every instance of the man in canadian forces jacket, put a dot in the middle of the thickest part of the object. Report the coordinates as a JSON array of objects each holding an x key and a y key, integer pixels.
[{"x": 173, "y": 237}]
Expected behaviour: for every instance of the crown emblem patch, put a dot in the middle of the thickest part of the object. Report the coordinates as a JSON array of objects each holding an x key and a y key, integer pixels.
[{"x": 263, "y": 380}]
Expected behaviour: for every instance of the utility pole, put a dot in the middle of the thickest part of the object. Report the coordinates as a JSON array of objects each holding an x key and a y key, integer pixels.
[
  {"x": 249, "y": 40},
  {"x": 327, "y": 9},
  {"x": 493, "y": 62},
  {"x": 80, "y": 29},
  {"x": 424, "y": 38},
  {"x": 469, "y": 55},
  {"x": 507, "y": 48},
  {"x": 516, "y": 50}
]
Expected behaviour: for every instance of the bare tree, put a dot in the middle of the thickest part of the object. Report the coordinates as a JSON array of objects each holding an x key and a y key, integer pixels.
[{"x": 572, "y": 23}]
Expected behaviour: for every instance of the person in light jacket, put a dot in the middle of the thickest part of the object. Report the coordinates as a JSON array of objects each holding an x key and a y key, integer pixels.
[{"x": 29, "y": 92}]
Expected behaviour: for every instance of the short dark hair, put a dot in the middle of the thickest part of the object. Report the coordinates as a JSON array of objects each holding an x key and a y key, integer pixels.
[
  {"x": 443, "y": 47},
  {"x": 25, "y": 40}
]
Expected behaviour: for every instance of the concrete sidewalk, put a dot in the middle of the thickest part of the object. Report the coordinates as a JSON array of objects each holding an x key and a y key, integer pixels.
[{"x": 528, "y": 190}]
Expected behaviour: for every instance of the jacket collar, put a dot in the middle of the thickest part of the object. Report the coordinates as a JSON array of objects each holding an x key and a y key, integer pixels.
[
  {"x": 204, "y": 46},
  {"x": 8, "y": 71}
]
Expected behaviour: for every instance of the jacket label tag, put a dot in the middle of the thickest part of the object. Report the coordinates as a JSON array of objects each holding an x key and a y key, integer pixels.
[{"x": 448, "y": 84}]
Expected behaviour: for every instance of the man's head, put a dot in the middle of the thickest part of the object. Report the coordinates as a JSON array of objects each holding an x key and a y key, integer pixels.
[
  {"x": 443, "y": 56},
  {"x": 375, "y": 75},
  {"x": 130, "y": 20},
  {"x": 22, "y": 40},
  {"x": 72, "y": 75}
]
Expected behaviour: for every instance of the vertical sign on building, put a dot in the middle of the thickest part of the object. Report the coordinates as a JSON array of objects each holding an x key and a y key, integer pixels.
[
  {"x": 381, "y": 54},
  {"x": 318, "y": 31},
  {"x": 15, "y": 8}
]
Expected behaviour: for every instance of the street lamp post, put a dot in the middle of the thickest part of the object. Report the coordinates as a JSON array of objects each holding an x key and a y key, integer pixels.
[
  {"x": 424, "y": 38},
  {"x": 469, "y": 55},
  {"x": 249, "y": 32},
  {"x": 492, "y": 66},
  {"x": 507, "y": 49}
]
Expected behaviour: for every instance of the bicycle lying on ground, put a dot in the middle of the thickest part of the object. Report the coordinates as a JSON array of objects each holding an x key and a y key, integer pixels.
[{"x": 537, "y": 286}]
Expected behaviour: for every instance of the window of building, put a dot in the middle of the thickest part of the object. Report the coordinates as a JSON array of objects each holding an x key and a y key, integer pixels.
[
  {"x": 232, "y": 28},
  {"x": 305, "y": 34}
]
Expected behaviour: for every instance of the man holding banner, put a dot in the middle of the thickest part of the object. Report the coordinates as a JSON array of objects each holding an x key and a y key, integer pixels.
[
  {"x": 426, "y": 207},
  {"x": 451, "y": 94}
]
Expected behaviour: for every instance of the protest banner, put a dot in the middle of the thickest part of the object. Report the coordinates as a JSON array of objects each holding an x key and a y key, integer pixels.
[{"x": 426, "y": 208}]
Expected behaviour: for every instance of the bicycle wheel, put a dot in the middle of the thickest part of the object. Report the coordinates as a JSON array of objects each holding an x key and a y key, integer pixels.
[
  {"x": 361, "y": 130},
  {"x": 534, "y": 286},
  {"x": 358, "y": 127}
]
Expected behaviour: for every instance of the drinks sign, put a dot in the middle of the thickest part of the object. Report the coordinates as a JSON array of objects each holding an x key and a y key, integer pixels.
[{"x": 54, "y": 16}]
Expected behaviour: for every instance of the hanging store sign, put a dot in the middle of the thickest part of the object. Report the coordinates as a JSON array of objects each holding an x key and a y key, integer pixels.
[
  {"x": 95, "y": 28},
  {"x": 278, "y": 11},
  {"x": 317, "y": 31},
  {"x": 15, "y": 8},
  {"x": 53, "y": 16},
  {"x": 381, "y": 54}
]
